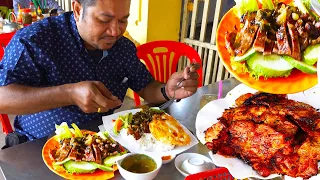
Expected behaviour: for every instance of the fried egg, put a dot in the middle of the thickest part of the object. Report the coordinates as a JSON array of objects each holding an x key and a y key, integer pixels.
[{"x": 167, "y": 130}]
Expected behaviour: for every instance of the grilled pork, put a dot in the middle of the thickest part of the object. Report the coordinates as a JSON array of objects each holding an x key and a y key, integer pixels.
[
  {"x": 271, "y": 133},
  {"x": 90, "y": 148},
  {"x": 284, "y": 30}
]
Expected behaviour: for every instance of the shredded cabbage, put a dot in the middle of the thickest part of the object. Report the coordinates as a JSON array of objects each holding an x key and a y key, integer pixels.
[
  {"x": 244, "y": 6},
  {"x": 77, "y": 131},
  {"x": 63, "y": 131}
]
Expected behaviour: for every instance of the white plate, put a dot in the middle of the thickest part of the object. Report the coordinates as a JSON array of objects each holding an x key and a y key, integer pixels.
[
  {"x": 132, "y": 146},
  {"x": 182, "y": 157},
  {"x": 209, "y": 114}
]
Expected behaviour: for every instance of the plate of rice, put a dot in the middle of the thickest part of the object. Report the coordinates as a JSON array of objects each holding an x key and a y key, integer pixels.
[{"x": 149, "y": 130}]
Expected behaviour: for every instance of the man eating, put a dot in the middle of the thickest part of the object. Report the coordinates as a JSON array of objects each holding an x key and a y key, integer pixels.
[{"x": 77, "y": 68}]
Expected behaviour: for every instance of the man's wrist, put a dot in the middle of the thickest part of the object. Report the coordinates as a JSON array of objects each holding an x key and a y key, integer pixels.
[{"x": 164, "y": 92}]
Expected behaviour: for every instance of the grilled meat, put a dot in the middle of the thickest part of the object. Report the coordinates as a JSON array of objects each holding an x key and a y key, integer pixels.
[
  {"x": 90, "y": 148},
  {"x": 246, "y": 35},
  {"x": 282, "y": 41},
  {"x": 271, "y": 133},
  {"x": 259, "y": 42},
  {"x": 284, "y": 30},
  {"x": 230, "y": 37},
  {"x": 295, "y": 46}
]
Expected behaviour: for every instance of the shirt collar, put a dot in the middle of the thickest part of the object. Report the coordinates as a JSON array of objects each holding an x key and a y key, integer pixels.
[{"x": 75, "y": 32}]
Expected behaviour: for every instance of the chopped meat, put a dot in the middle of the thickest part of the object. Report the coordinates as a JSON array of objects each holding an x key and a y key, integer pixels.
[
  {"x": 63, "y": 152},
  {"x": 295, "y": 46},
  {"x": 246, "y": 35},
  {"x": 268, "y": 47},
  {"x": 259, "y": 42},
  {"x": 284, "y": 31},
  {"x": 97, "y": 153},
  {"x": 230, "y": 38},
  {"x": 90, "y": 148},
  {"x": 282, "y": 41}
]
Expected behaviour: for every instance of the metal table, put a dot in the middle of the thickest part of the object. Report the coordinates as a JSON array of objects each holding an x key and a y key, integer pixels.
[{"x": 25, "y": 162}]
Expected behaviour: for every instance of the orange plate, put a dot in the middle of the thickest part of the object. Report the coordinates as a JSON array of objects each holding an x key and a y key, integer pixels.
[
  {"x": 98, "y": 174},
  {"x": 296, "y": 82}
]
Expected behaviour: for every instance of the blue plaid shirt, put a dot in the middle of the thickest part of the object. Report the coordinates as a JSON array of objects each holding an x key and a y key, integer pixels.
[{"x": 51, "y": 53}]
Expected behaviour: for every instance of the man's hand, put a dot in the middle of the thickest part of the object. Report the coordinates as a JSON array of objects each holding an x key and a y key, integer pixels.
[
  {"x": 188, "y": 87},
  {"x": 92, "y": 95}
]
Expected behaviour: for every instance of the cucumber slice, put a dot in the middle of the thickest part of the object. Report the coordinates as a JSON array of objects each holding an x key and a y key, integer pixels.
[
  {"x": 111, "y": 160},
  {"x": 311, "y": 54},
  {"x": 301, "y": 65},
  {"x": 102, "y": 167},
  {"x": 62, "y": 162},
  {"x": 268, "y": 66},
  {"x": 79, "y": 167},
  {"x": 246, "y": 56}
]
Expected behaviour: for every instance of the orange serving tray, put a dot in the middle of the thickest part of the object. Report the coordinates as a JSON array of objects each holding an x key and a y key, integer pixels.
[
  {"x": 296, "y": 82},
  {"x": 97, "y": 175}
]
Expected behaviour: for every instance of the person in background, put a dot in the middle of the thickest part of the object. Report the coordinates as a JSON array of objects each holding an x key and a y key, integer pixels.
[
  {"x": 51, "y": 4},
  {"x": 77, "y": 67}
]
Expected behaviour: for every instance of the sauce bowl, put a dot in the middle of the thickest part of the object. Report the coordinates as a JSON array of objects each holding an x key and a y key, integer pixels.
[{"x": 139, "y": 176}]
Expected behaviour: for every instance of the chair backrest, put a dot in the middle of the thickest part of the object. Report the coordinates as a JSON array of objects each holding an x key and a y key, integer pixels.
[
  {"x": 4, "y": 40},
  {"x": 161, "y": 58}
]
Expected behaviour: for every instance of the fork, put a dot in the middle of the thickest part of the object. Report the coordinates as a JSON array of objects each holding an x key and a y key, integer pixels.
[{"x": 169, "y": 103}]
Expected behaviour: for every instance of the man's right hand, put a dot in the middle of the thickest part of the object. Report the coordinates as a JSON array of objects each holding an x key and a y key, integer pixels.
[{"x": 92, "y": 95}]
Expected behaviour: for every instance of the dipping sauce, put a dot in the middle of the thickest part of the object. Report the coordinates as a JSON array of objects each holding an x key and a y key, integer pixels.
[
  {"x": 164, "y": 158},
  {"x": 139, "y": 163}
]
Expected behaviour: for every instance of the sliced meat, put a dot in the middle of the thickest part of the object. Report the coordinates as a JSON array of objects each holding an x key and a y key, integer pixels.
[
  {"x": 63, "y": 152},
  {"x": 268, "y": 47},
  {"x": 304, "y": 37},
  {"x": 282, "y": 41},
  {"x": 246, "y": 35},
  {"x": 230, "y": 40},
  {"x": 259, "y": 42},
  {"x": 97, "y": 153},
  {"x": 295, "y": 46},
  {"x": 88, "y": 154}
]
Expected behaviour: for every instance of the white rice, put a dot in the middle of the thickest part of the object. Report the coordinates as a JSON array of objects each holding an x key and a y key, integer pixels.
[{"x": 147, "y": 142}]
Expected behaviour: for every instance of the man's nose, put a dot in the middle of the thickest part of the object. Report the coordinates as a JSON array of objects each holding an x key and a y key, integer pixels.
[{"x": 114, "y": 29}]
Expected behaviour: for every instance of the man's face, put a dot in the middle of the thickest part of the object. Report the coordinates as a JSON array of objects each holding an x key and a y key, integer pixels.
[{"x": 102, "y": 24}]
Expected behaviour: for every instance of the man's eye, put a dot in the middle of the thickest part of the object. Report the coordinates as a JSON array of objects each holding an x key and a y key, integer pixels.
[
  {"x": 104, "y": 21},
  {"x": 123, "y": 21}
]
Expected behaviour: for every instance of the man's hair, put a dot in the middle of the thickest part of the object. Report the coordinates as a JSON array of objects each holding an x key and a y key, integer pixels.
[{"x": 87, "y": 3}]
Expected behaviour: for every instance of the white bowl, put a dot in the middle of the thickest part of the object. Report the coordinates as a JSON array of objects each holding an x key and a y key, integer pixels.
[
  {"x": 192, "y": 163},
  {"x": 139, "y": 176},
  {"x": 169, "y": 160}
]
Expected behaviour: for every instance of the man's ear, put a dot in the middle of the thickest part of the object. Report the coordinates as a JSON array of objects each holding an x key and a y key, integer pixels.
[{"x": 76, "y": 7}]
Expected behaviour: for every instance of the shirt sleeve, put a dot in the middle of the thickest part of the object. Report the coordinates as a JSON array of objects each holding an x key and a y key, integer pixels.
[
  {"x": 18, "y": 66},
  {"x": 139, "y": 76}
]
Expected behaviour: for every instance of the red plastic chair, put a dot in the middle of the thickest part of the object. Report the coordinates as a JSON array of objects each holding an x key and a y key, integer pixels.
[
  {"x": 162, "y": 57},
  {"x": 4, "y": 40}
]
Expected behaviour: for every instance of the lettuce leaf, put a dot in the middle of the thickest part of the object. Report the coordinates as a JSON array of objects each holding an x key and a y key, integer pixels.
[
  {"x": 244, "y": 6},
  {"x": 77, "y": 131},
  {"x": 267, "y": 4},
  {"x": 307, "y": 3},
  {"x": 63, "y": 131}
]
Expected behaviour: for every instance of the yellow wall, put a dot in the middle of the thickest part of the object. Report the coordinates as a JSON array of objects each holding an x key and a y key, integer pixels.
[{"x": 152, "y": 20}]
